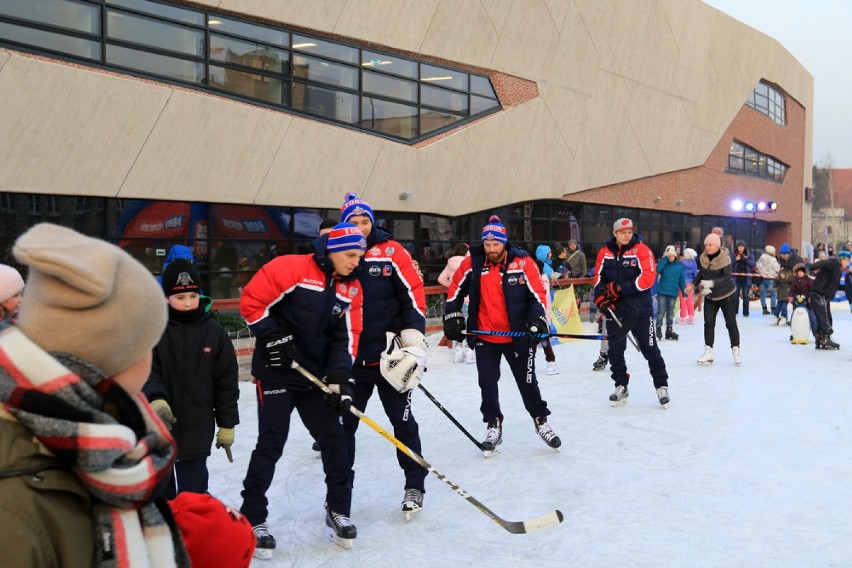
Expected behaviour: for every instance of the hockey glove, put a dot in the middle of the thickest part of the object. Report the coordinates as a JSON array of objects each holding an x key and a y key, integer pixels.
[
  {"x": 611, "y": 294},
  {"x": 225, "y": 439},
  {"x": 454, "y": 326},
  {"x": 164, "y": 411},
  {"x": 537, "y": 324},
  {"x": 342, "y": 386},
  {"x": 280, "y": 349}
]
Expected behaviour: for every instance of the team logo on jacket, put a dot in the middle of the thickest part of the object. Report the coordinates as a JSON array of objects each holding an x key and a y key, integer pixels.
[
  {"x": 387, "y": 270},
  {"x": 375, "y": 251},
  {"x": 390, "y": 251},
  {"x": 625, "y": 263},
  {"x": 375, "y": 270},
  {"x": 512, "y": 280},
  {"x": 353, "y": 292},
  {"x": 521, "y": 280},
  {"x": 336, "y": 310}
]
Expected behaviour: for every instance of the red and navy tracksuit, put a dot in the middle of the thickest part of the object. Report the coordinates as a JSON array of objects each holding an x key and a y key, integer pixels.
[
  {"x": 393, "y": 300},
  {"x": 634, "y": 269},
  {"x": 503, "y": 297},
  {"x": 299, "y": 293}
]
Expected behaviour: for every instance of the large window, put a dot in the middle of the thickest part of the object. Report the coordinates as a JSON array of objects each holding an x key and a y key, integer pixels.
[
  {"x": 381, "y": 93},
  {"x": 769, "y": 101},
  {"x": 745, "y": 160}
]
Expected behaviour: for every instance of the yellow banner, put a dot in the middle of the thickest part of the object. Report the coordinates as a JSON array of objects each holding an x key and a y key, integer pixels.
[{"x": 564, "y": 312}]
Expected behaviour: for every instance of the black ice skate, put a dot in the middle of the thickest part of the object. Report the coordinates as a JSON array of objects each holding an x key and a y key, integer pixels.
[
  {"x": 412, "y": 502},
  {"x": 659, "y": 332},
  {"x": 670, "y": 334},
  {"x": 265, "y": 542},
  {"x": 317, "y": 450},
  {"x": 619, "y": 397},
  {"x": 546, "y": 433},
  {"x": 600, "y": 364},
  {"x": 825, "y": 342},
  {"x": 493, "y": 438},
  {"x": 340, "y": 530}
]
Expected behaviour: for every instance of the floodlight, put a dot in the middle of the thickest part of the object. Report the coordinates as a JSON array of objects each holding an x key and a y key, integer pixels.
[
  {"x": 737, "y": 204},
  {"x": 773, "y": 205},
  {"x": 749, "y": 206},
  {"x": 761, "y": 206}
]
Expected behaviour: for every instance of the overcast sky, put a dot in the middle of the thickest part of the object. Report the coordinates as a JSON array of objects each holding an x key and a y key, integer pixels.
[{"x": 817, "y": 33}]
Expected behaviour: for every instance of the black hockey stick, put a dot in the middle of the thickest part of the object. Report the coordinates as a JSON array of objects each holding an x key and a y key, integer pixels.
[
  {"x": 626, "y": 325},
  {"x": 538, "y": 336},
  {"x": 450, "y": 416},
  {"x": 545, "y": 521}
]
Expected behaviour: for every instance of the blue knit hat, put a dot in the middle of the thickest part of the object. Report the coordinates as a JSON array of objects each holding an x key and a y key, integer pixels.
[
  {"x": 345, "y": 236},
  {"x": 785, "y": 249},
  {"x": 845, "y": 254},
  {"x": 353, "y": 206},
  {"x": 494, "y": 230}
]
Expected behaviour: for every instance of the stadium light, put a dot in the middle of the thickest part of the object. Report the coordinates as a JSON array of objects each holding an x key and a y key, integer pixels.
[
  {"x": 737, "y": 204},
  {"x": 749, "y": 206}
]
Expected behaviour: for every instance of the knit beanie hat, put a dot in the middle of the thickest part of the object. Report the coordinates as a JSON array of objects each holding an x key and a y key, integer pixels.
[
  {"x": 215, "y": 535},
  {"x": 10, "y": 282},
  {"x": 181, "y": 276},
  {"x": 690, "y": 253},
  {"x": 844, "y": 254},
  {"x": 345, "y": 236},
  {"x": 785, "y": 248},
  {"x": 353, "y": 207},
  {"x": 769, "y": 249},
  {"x": 713, "y": 239},
  {"x": 88, "y": 298},
  {"x": 623, "y": 223},
  {"x": 670, "y": 249},
  {"x": 494, "y": 230}
]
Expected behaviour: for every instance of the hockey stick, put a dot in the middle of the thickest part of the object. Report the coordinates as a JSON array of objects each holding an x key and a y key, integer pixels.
[
  {"x": 450, "y": 416},
  {"x": 545, "y": 521},
  {"x": 538, "y": 336},
  {"x": 624, "y": 327}
]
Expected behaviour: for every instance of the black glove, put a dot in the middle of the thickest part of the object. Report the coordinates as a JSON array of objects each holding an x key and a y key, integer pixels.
[
  {"x": 454, "y": 326},
  {"x": 537, "y": 324},
  {"x": 611, "y": 294},
  {"x": 280, "y": 349},
  {"x": 343, "y": 387}
]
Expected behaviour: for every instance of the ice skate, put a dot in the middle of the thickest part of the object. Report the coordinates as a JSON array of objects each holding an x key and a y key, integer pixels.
[
  {"x": 265, "y": 542},
  {"x": 600, "y": 364},
  {"x": 774, "y": 320},
  {"x": 340, "y": 529},
  {"x": 619, "y": 397},
  {"x": 825, "y": 342},
  {"x": 765, "y": 311},
  {"x": 459, "y": 352},
  {"x": 412, "y": 502},
  {"x": 659, "y": 332},
  {"x": 493, "y": 438},
  {"x": 707, "y": 358},
  {"x": 663, "y": 395},
  {"x": 670, "y": 334},
  {"x": 469, "y": 356},
  {"x": 782, "y": 321},
  {"x": 546, "y": 433},
  {"x": 316, "y": 448},
  {"x": 551, "y": 368},
  {"x": 736, "y": 353}
]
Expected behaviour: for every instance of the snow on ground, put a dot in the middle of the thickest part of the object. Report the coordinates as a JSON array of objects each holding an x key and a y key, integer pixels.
[{"x": 749, "y": 466}]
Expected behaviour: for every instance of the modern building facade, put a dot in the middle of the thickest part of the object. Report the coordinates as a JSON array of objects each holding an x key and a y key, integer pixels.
[{"x": 236, "y": 126}]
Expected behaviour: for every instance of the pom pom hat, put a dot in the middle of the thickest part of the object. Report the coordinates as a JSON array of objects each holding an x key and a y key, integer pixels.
[
  {"x": 494, "y": 230},
  {"x": 623, "y": 223},
  {"x": 345, "y": 236},
  {"x": 216, "y": 536},
  {"x": 10, "y": 282},
  {"x": 353, "y": 206}
]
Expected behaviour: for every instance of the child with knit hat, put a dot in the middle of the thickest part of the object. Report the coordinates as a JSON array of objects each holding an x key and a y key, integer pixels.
[
  {"x": 82, "y": 451},
  {"x": 193, "y": 384},
  {"x": 11, "y": 290}
]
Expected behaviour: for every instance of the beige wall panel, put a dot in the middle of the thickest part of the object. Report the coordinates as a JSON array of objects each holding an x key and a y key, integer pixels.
[
  {"x": 544, "y": 166},
  {"x": 527, "y": 40},
  {"x": 397, "y": 23},
  {"x": 4, "y": 57},
  {"x": 676, "y": 14},
  {"x": 700, "y": 144},
  {"x": 628, "y": 36},
  {"x": 558, "y": 11},
  {"x": 467, "y": 23},
  {"x": 568, "y": 109},
  {"x": 575, "y": 63},
  {"x": 662, "y": 126},
  {"x": 317, "y": 164},
  {"x": 660, "y": 54},
  {"x": 690, "y": 72},
  {"x": 206, "y": 149},
  {"x": 68, "y": 131},
  {"x": 498, "y": 11},
  {"x": 315, "y": 14},
  {"x": 596, "y": 17}
]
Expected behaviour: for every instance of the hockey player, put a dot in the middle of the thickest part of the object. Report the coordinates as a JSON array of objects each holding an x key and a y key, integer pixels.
[
  {"x": 505, "y": 293},
  {"x": 824, "y": 287},
  {"x": 305, "y": 308},
  {"x": 394, "y": 301},
  {"x": 625, "y": 271}
]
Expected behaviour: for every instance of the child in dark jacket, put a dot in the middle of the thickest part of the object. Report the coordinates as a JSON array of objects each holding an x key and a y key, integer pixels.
[{"x": 193, "y": 379}]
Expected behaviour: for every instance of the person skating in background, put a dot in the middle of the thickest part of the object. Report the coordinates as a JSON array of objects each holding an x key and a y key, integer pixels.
[
  {"x": 505, "y": 295},
  {"x": 768, "y": 268},
  {"x": 462, "y": 353},
  {"x": 824, "y": 286},
  {"x": 743, "y": 264},
  {"x": 717, "y": 286},
  {"x": 787, "y": 260},
  {"x": 671, "y": 284},
  {"x": 800, "y": 289},
  {"x": 84, "y": 452},
  {"x": 307, "y": 309},
  {"x": 194, "y": 379},
  {"x": 11, "y": 291},
  {"x": 625, "y": 272},
  {"x": 394, "y": 301},
  {"x": 549, "y": 355},
  {"x": 782, "y": 290},
  {"x": 687, "y": 301}
]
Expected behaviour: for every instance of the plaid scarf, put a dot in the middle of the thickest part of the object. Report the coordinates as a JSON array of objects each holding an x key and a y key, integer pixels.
[{"x": 111, "y": 441}]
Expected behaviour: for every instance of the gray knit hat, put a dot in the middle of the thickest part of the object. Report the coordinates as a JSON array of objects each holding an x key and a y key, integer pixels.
[{"x": 88, "y": 298}]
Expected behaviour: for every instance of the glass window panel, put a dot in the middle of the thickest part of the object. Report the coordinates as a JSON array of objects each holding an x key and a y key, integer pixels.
[
  {"x": 735, "y": 163},
  {"x": 327, "y": 103},
  {"x": 144, "y": 31},
  {"x": 762, "y": 88},
  {"x": 388, "y": 64},
  {"x": 60, "y": 13},
  {"x": 442, "y": 98},
  {"x": 321, "y": 71},
  {"x": 736, "y": 149},
  {"x": 155, "y": 9},
  {"x": 326, "y": 48},
  {"x": 751, "y": 167},
  {"x": 390, "y": 118},
  {"x": 750, "y": 154},
  {"x": 48, "y": 40},
  {"x": 431, "y": 120},
  {"x": 444, "y": 77},
  {"x": 252, "y": 85},
  {"x": 389, "y": 86},
  {"x": 260, "y": 33},
  {"x": 481, "y": 104},
  {"x": 171, "y": 67},
  {"x": 481, "y": 86},
  {"x": 249, "y": 54}
]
